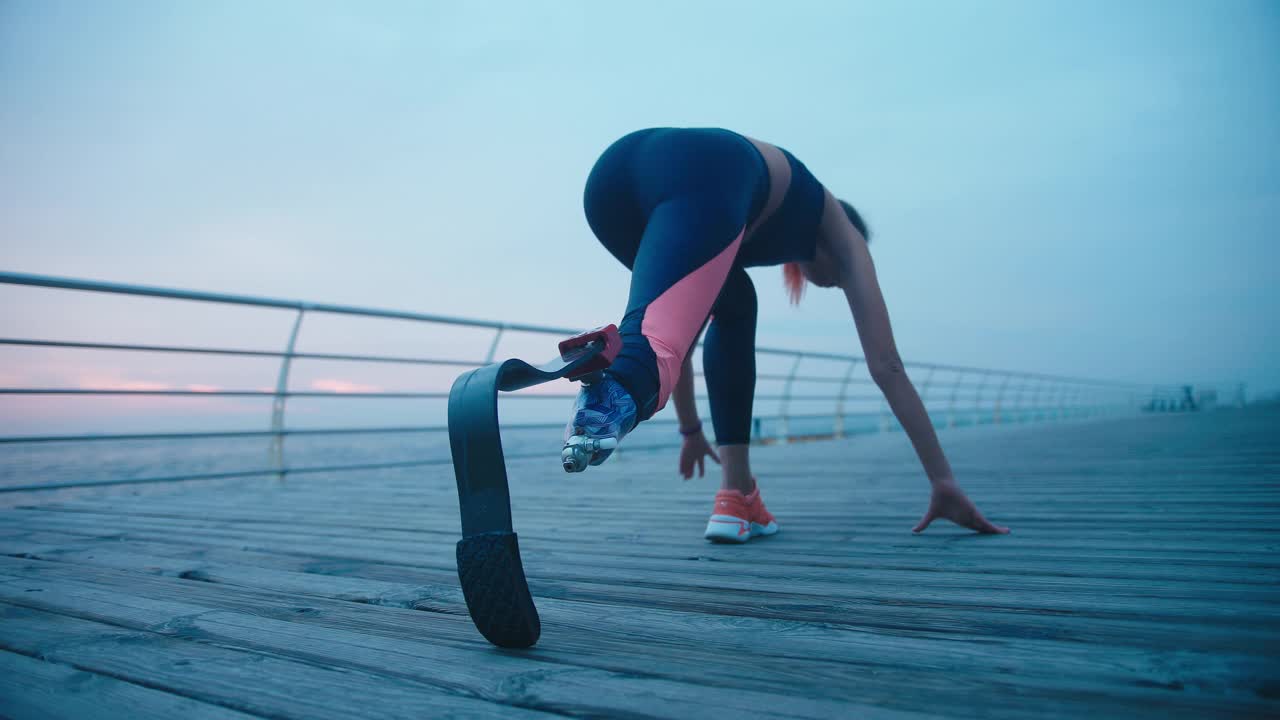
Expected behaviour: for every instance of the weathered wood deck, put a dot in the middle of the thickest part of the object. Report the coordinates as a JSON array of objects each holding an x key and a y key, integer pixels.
[{"x": 1140, "y": 580}]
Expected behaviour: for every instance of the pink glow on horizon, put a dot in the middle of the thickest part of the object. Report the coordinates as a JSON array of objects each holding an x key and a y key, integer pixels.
[
  {"x": 335, "y": 385},
  {"x": 41, "y": 413},
  {"x": 62, "y": 374},
  {"x": 98, "y": 382}
]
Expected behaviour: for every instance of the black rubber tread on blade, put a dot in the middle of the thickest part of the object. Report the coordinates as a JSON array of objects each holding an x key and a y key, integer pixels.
[
  {"x": 489, "y": 567},
  {"x": 496, "y": 591}
]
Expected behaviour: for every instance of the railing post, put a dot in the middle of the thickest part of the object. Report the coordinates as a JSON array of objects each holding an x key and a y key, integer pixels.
[
  {"x": 786, "y": 400},
  {"x": 982, "y": 386},
  {"x": 1059, "y": 404},
  {"x": 844, "y": 386},
  {"x": 1018, "y": 407},
  {"x": 995, "y": 414},
  {"x": 1035, "y": 401},
  {"x": 493, "y": 346},
  {"x": 278, "y": 401},
  {"x": 951, "y": 403},
  {"x": 924, "y": 392}
]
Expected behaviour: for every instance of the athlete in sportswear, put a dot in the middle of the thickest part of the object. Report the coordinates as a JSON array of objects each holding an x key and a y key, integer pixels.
[{"x": 687, "y": 210}]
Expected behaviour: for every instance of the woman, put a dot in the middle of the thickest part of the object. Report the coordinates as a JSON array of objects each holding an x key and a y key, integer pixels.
[{"x": 686, "y": 210}]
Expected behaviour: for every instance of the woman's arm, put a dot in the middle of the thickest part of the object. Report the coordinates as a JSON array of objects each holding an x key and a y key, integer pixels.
[
  {"x": 871, "y": 316},
  {"x": 857, "y": 278},
  {"x": 694, "y": 447}
]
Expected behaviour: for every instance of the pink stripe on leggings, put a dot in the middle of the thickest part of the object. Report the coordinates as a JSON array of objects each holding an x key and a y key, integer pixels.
[{"x": 671, "y": 322}]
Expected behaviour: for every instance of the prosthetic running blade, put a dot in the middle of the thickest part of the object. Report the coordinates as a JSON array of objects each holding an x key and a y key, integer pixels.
[{"x": 489, "y": 567}]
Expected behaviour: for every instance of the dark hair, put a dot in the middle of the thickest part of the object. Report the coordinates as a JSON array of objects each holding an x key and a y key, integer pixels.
[{"x": 856, "y": 219}]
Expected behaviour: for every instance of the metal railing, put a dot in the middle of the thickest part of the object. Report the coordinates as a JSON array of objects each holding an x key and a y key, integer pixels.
[{"x": 955, "y": 395}]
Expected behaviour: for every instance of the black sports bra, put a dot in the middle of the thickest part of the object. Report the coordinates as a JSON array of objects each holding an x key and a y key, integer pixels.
[{"x": 791, "y": 233}]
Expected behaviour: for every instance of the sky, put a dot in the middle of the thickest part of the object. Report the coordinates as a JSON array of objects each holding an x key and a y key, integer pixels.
[{"x": 1085, "y": 188}]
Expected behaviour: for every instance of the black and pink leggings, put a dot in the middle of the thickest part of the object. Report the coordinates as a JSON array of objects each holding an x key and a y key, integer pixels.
[{"x": 672, "y": 204}]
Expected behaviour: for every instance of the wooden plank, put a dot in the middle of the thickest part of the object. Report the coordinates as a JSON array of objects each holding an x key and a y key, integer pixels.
[
  {"x": 1062, "y": 591},
  {"x": 246, "y": 681},
  {"x": 702, "y": 569},
  {"x": 320, "y": 512},
  {"x": 1192, "y": 602},
  {"x": 1136, "y": 553},
  {"x": 31, "y": 688}
]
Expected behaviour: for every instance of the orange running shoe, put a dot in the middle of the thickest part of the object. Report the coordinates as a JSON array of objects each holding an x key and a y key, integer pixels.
[{"x": 736, "y": 518}]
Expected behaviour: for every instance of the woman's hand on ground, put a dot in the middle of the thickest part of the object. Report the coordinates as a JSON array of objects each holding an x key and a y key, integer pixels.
[
  {"x": 693, "y": 452},
  {"x": 949, "y": 502}
]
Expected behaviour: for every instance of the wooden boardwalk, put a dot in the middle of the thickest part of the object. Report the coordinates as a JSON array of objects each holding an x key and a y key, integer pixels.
[{"x": 1141, "y": 579}]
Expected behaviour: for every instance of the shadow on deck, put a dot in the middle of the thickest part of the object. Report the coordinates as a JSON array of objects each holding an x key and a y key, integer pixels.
[{"x": 1140, "y": 580}]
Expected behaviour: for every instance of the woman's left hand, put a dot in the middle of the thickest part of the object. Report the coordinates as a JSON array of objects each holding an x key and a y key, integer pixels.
[
  {"x": 949, "y": 502},
  {"x": 693, "y": 452}
]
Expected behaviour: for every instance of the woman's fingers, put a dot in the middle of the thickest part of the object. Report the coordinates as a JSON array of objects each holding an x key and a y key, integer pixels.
[
  {"x": 699, "y": 461},
  {"x": 928, "y": 518},
  {"x": 983, "y": 525},
  {"x": 960, "y": 510},
  {"x": 972, "y": 518}
]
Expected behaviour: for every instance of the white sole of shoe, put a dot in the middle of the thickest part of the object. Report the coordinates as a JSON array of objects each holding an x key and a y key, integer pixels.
[{"x": 729, "y": 529}]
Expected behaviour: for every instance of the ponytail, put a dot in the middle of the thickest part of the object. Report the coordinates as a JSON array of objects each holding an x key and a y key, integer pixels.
[{"x": 793, "y": 278}]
